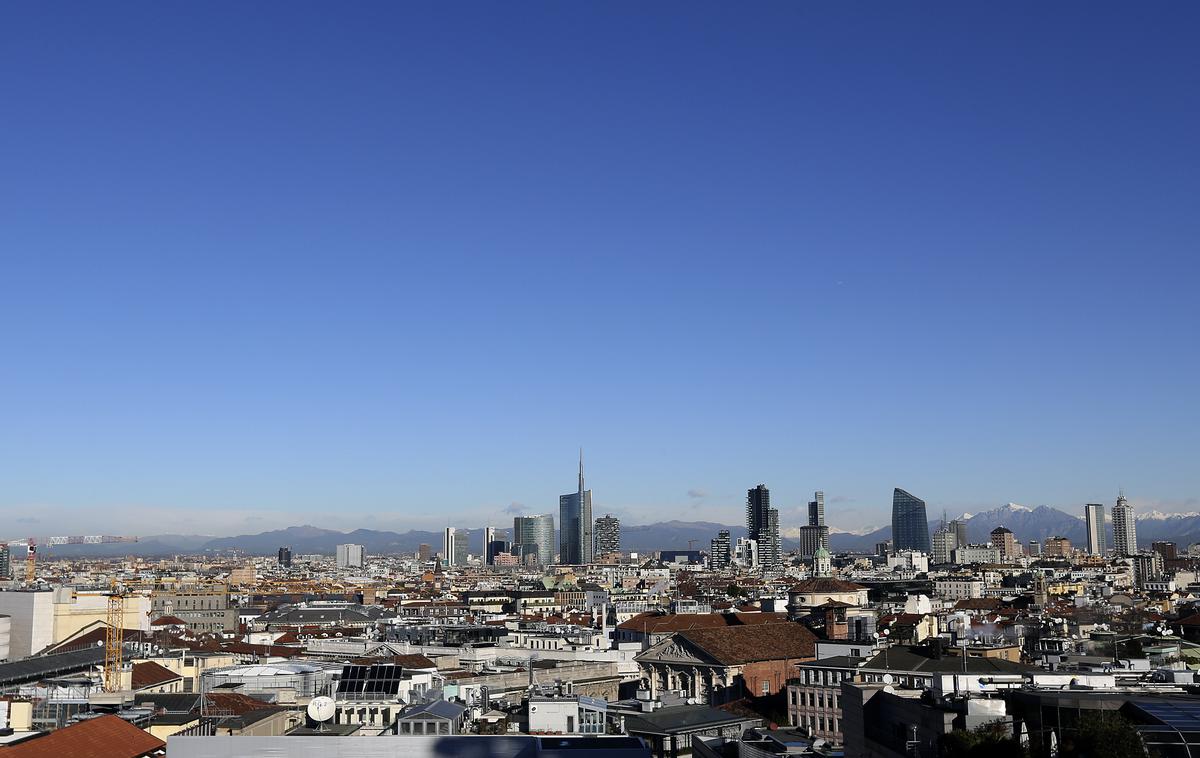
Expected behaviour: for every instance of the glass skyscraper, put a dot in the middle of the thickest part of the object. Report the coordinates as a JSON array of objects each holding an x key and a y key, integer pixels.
[
  {"x": 575, "y": 524},
  {"x": 534, "y": 536},
  {"x": 910, "y": 527}
]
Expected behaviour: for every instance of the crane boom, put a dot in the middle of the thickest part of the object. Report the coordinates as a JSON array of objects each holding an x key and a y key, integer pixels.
[{"x": 32, "y": 542}]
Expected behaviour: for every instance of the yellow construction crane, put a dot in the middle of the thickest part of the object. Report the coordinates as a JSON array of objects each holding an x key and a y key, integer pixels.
[
  {"x": 114, "y": 638},
  {"x": 31, "y": 543}
]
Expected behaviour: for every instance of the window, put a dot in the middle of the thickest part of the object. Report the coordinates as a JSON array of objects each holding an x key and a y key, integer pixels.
[
  {"x": 820, "y": 699},
  {"x": 766, "y": 687}
]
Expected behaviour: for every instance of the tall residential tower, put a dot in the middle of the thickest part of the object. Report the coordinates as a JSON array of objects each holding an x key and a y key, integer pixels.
[
  {"x": 608, "y": 535},
  {"x": 1124, "y": 527},
  {"x": 762, "y": 523}
]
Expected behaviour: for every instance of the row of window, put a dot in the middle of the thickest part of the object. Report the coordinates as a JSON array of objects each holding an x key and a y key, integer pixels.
[
  {"x": 820, "y": 724},
  {"x": 824, "y": 676},
  {"x": 813, "y": 698},
  {"x": 903, "y": 680}
]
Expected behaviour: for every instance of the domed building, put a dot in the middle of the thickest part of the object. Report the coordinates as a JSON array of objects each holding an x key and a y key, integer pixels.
[{"x": 812, "y": 593}]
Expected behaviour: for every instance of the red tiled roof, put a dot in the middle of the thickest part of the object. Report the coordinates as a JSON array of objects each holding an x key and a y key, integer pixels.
[
  {"x": 654, "y": 623},
  {"x": 236, "y": 704},
  {"x": 151, "y": 674},
  {"x": 746, "y": 644},
  {"x": 102, "y": 737},
  {"x": 168, "y": 621}
]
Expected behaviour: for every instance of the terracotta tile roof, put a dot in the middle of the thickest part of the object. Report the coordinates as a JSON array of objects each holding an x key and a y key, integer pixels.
[
  {"x": 168, "y": 621},
  {"x": 655, "y": 623},
  {"x": 745, "y": 644},
  {"x": 978, "y": 604},
  {"x": 821, "y": 584},
  {"x": 236, "y": 704},
  {"x": 102, "y": 737},
  {"x": 414, "y": 661},
  {"x": 151, "y": 674}
]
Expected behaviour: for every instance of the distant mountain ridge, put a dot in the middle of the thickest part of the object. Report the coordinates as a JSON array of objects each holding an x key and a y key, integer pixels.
[{"x": 1026, "y": 524}]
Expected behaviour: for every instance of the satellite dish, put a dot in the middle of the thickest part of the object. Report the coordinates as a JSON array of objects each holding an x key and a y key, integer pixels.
[
  {"x": 321, "y": 709},
  {"x": 888, "y": 679}
]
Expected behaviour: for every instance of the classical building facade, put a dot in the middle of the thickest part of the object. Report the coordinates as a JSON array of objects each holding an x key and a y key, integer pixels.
[{"x": 725, "y": 664}]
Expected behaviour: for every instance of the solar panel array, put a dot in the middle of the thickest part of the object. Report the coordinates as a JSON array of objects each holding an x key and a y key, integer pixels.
[{"x": 376, "y": 679}]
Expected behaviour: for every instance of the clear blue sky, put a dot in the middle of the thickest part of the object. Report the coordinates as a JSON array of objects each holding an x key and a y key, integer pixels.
[{"x": 391, "y": 264}]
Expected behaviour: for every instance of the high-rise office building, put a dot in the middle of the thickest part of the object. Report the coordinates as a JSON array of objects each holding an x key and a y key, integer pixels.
[
  {"x": 575, "y": 524},
  {"x": 533, "y": 538},
  {"x": 608, "y": 535},
  {"x": 944, "y": 542},
  {"x": 1168, "y": 550},
  {"x": 1005, "y": 543},
  {"x": 1034, "y": 549},
  {"x": 762, "y": 525},
  {"x": 1124, "y": 527},
  {"x": 5, "y": 562},
  {"x": 718, "y": 554},
  {"x": 450, "y": 542},
  {"x": 815, "y": 534},
  {"x": 1093, "y": 515},
  {"x": 816, "y": 509},
  {"x": 960, "y": 532},
  {"x": 285, "y": 557},
  {"x": 349, "y": 556},
  {"x": 910, "y": 527},
  {"x": 493, "y": 544},
  {"x": 424, "y": 551},
  {"x": 489, "y": 534}
]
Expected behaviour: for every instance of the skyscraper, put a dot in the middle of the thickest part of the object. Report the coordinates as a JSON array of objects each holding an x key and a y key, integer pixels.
[
  {"x": 575, "y": 524},
  {"x": 284, "y": 557},
  {"x": 1093, "y": 514},
  {"x": 1124, "y": 527},
  {"x": 762, "y": 524},
  {"x": 960, "y": 532},
  {"x": 814, "y": 535},
  {"x": 424, "y": 551},
  {"x": 493, "y": 544},
  {"x": 910, "y": 527},
  {"x": 816, "y": 509},
  {"x": 533, "y": 538},
  {"x": 5, "y": 561},
  {"x": 450, "y": 540},
  {"x": 349, "y": 556},
  {"x": 718, "y": 554},
  {"x": 608, "y": 535},
  {"x": 1005, "y": 543}
]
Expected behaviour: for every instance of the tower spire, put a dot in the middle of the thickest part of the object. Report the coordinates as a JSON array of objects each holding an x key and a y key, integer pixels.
[{"x": 581, "y": 475}]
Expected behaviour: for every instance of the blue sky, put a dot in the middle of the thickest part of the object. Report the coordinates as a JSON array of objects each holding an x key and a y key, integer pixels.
[{"x": 390, "y": 265}]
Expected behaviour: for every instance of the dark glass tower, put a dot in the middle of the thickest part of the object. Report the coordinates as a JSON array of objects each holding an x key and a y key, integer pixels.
[
  {"x": 575, "y": 524},
  {"x": 910, "y": 527}
]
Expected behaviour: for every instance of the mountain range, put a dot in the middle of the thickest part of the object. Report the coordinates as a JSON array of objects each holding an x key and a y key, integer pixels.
[{"x": 1026, "y": 523}]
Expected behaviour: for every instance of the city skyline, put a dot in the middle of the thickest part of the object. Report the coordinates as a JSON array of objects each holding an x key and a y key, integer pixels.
[{"x": 793, "y": 517}]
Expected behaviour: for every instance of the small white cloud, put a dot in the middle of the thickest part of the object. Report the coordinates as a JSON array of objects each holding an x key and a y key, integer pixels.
[{"x": 697, "y": 493}]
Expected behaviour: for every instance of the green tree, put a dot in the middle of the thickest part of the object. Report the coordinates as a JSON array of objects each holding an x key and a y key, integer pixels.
[
  {"x": 987, "y": 741},
  {"x": 1102, "y": 734}
]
